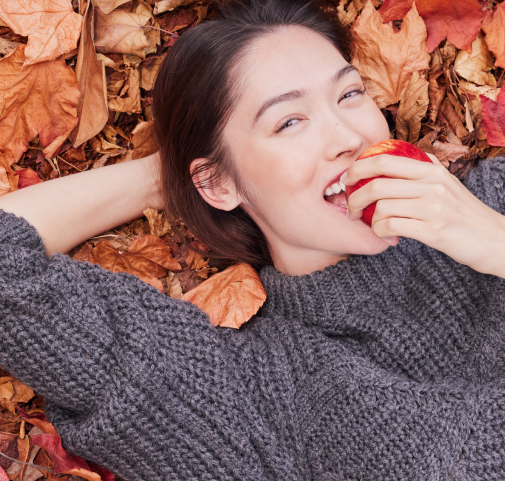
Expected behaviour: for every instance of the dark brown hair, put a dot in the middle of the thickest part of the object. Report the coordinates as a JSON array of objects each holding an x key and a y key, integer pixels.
[{"x": 193, "y": 99}]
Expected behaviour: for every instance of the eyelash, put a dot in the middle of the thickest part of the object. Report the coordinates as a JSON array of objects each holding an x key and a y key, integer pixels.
[{"x": 285, "y": 124}]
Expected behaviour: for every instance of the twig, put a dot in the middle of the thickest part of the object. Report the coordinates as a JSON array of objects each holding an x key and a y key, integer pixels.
[
  {"x": 68, "y": 163},
  {"x": 29, "y": 464}
]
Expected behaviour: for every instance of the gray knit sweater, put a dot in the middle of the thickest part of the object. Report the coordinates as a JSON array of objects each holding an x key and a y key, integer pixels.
[{"x": 386, "y": 367}]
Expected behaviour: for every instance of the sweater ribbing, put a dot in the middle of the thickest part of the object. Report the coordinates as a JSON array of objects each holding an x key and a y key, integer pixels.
[{"x": 385, "y": 367}]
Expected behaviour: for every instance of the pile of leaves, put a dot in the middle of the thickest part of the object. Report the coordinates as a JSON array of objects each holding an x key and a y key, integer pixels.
[{"x": 76, "y": 81}]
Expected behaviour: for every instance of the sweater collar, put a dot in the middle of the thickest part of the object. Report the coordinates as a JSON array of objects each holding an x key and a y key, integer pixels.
[{"x": 329, "y": 295}]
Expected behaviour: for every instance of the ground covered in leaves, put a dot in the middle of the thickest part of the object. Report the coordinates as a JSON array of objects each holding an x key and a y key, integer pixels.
[{"x": 76, "y": 81}]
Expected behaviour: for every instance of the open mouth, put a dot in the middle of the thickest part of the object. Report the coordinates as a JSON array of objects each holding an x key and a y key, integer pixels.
[{"x": 334, "y": 194}]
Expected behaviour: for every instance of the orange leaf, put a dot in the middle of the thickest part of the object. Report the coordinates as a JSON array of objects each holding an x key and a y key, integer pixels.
[
  {"x": 27, "y": 177},
  {"x": 38, "y": 99},
  {"x": 52, "y": 26},
  {"x": 90, "y": 72},
  {"x": 456, "y": 20},
  {"x": 24, "y": 453},
  {"x": 387, "y": 59},
  {"x": 493, "y": 119},
  {"x": 493, "y": 25},
  {"x": 147, "y": 258},
  {"x": 230, "y": 298},
  {"x": 8, "y": 182}
]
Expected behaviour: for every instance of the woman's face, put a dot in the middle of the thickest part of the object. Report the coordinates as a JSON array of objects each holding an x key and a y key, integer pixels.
[{"x": 301, "y": 120}]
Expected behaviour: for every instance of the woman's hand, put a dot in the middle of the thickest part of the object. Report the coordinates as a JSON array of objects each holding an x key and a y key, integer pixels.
[{"x": 426, "y": 202}]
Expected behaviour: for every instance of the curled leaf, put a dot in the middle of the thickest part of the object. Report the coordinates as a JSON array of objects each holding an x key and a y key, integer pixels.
[
  {"x": 230, "y": 298},
  {"x": 493, "y": 119}
]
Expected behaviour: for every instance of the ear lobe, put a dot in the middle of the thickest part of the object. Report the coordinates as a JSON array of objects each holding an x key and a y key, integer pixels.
[{"x": 222, "y": 196}]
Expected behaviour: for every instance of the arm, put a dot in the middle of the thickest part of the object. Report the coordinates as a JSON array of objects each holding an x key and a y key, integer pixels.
[{"x": 68, "y": 210}]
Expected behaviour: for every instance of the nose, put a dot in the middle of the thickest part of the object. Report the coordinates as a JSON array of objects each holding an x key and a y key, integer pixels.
[{"x": 341, "y": 138}]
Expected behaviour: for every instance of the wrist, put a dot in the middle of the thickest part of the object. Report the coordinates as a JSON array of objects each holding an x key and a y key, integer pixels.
[{"x": 152, "y": 182}]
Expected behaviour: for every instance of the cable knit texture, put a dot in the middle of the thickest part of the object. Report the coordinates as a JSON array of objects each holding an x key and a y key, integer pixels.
[{"x": 386, "y": 367}]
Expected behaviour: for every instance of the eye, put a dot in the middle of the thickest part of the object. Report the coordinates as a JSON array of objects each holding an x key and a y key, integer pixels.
[
  {"x": 287, "y": 123},
  {"x": 355, "y": 92}
]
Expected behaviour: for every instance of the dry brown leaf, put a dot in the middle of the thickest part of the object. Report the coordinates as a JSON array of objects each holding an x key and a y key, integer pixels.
[
  {"x": 8, "y": 182},
  {"x": 128, "y": 99},
  {"x": 106, "y": 6},
  {"x": 493, "y": 25},
  {"x": 476, "y": 67},
  {"x": 143, "y": 140},
  {"x": 6, "y": 47},
  {"x": 347, "y": 16},
  {"x": 446, "y": 152},
  {"x": 149, "y": 72},
  {"x": 167, "y": 5},
  {"x": 452, "y": 118},
  {"x": 52, "y": 26},
  {"x": 90, "y": 72},
  {"x": 413, "y": 107},
  {"x": 174, "y": 288},
  {"x": 157, "y": 223},
  {"x": 385, "y": 59},
  {"x": 230, "y": 298},
  {"x": 147, "y": 258},
  {"x": 436, "y": 94},
  {"x": 121, "y": 32},
  {"x": 38, "y": 99}
]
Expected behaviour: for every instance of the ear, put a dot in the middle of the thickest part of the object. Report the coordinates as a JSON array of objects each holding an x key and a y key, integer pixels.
[{"x": 222, "y": 197}]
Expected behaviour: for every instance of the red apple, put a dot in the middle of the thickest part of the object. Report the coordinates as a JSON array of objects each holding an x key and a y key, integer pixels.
[{"x": 391, "y": 147}]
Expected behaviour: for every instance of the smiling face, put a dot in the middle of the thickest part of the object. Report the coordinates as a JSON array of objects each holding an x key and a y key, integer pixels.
[{"x": 302, "y": 118}]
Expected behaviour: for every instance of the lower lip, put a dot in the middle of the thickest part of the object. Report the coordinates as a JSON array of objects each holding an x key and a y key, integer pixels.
[{"x": 342, "y": 210}]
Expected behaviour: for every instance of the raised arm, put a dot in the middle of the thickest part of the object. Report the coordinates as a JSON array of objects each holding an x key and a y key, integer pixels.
[{"x": 68, "y": 210}]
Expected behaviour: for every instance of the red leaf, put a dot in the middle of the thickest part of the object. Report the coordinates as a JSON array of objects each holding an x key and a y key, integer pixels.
[
  {"x": 39, "y": 420},
  {"x": 27, "y": 177},
  {"x": 64, "y": 462},
  {"x": 457, "y": 20},
  {"x": 3, "y": 475},
  {"x": 493, "y": 119}
]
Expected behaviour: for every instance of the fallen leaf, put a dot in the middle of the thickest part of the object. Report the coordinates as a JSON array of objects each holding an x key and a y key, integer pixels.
[
  {"x": 90, "y": 72},
  {"x": 493, "y": 25},
  {"x": 413, "y": 107},
  {"x": 8, "y": 446},
  {"x": 38, "y": 99},
  {"x": 347, "y": 16},
  {"x": 166, "y": 5},
  {"x": 476, "y": 67},
  {"x": 52, "y": 26},
  {"x": 121, "y": 32},
  {"x": 128, "y": 99},
  {"x": 39, "y": 420},
  {"x": 147, "y": 258},
  {"x": 157, "y": 223},
  {"x": 6, "y": 47},
  {"x": 436, "y": 94},
  {"x": 457, "y": 20},
  {"x": 7, "y": 182},
  {"x": 173, "y": 21},
  {"x": 493, "y": 119},
  {"x": 231, "y": 297},
  {"x": 63, "y": 461},
  {"x": 149, "y": 72},
  {"x": 174, "y": 288},
  {"x": 386, "y": 60},
  {"x": 106, "y": 6},
  {"x": 27, "y": 177},
  {"x": 143, "y": 140},
  {"x": 24, "y": 446},
  {"x": 446, "y": 152},
  {"x": 189, "y": 279},
  {"x": 3, "y": 475},
  {"x": 452, "y": 119}
]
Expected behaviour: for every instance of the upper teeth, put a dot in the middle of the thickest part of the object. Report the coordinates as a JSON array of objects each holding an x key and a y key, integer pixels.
[{"x": 335, "y": 188}]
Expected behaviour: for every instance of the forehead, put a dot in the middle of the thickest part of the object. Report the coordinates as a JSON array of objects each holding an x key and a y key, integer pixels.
[{"x": 289, "y": 58}]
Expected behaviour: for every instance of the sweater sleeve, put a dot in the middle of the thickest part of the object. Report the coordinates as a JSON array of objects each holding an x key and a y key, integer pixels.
[
  {"x": 487, "y": 182},
  {"x": 63, "y": 323}
]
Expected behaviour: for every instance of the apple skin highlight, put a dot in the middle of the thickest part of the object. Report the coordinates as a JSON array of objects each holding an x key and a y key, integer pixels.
[{"x": 399, "y": 148}]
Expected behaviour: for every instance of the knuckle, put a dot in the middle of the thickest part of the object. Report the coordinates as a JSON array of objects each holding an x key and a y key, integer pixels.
[
  {"x": 439, "y": 190},
  {"x": 438, "y": 208}
]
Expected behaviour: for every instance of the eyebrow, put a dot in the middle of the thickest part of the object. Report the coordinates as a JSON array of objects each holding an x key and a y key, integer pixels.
[{"x": 297, "y": 94}]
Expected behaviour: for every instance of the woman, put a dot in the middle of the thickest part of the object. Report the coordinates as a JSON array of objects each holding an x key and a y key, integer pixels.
[{"x": 373, "y": 358}]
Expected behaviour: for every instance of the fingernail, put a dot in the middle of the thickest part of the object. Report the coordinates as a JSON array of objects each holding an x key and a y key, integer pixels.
[
  {"x": 343, "y": 177},
  {"x": 347, "y": 213}
]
